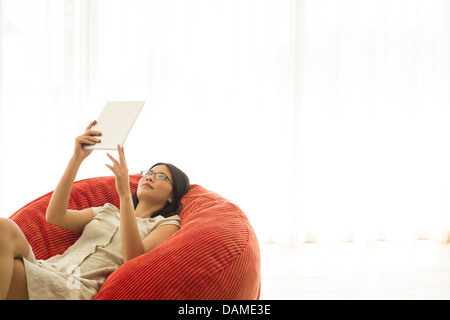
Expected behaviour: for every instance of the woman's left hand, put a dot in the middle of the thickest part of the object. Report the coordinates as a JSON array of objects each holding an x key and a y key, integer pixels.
[{"x": 120, "y": 170}]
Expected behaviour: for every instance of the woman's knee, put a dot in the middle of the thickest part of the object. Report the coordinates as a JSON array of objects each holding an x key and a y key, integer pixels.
[
  {"x": 6, "y": 227},
  {"x": 13, "y": 237}
]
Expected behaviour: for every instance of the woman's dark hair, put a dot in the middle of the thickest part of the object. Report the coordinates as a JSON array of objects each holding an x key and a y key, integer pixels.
[{"x": 180, "y": 187}]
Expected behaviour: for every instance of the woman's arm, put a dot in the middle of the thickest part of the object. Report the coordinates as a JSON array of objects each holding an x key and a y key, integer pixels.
[
  {"x": 158, "y": 236},
  {"x": 132, "y": 244},
  {"x": 57, "y": 213}
]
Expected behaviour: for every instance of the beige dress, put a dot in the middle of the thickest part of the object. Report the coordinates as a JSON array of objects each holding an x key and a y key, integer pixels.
[{"x": 79, "y": 272}]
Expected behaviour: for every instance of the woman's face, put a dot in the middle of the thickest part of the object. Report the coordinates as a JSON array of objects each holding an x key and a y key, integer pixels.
[{"x": 154, "y": 190}]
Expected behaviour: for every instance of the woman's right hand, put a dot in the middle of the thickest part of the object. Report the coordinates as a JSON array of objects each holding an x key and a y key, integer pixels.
[{"x": 87, "y": 138}]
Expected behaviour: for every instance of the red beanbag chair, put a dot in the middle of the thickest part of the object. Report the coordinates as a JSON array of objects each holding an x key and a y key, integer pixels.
[{"x": 214, "y": 255}]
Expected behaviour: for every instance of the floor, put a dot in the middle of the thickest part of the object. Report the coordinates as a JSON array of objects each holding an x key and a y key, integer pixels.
[{"x": 351, "y": 271}]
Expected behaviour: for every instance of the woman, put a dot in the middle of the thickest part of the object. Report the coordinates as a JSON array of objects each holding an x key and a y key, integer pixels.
[{"x": 146, "y": 220}]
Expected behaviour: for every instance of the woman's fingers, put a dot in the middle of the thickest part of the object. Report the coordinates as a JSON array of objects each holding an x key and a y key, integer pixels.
[
  {"x": 119, "y": 165},
  {"x": 110, "y": 167},
  {"x": 89, "y": 136},
  {"x": 121, "y": 155},
  {"x": 116, "y": 163},
  {"x": 120, "y": 170},
  {"x": 89, "y": 127},
  {"x": 114, "y": 167},
  {"x": 93, "y": 133},
  {"x": 122, "y": 162},
  {"x": 87, "y": 140}
]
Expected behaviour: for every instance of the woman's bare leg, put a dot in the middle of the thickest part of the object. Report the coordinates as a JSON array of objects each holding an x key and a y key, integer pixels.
[
  {"x": 18, "y": 289},
  {"x": 13, "y": 244}
]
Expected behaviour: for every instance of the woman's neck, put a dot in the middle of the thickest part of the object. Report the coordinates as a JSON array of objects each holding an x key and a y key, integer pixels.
[{"x": 145, "y": 210}]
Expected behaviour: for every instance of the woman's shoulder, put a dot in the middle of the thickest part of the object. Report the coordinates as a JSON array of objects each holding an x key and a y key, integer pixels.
[
  {"x": 161, "y": 220},
  {"x": 106, "y": 208}
]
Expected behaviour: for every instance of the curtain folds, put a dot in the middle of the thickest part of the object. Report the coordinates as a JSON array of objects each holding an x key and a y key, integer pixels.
[{"x": 324, "y": 120}]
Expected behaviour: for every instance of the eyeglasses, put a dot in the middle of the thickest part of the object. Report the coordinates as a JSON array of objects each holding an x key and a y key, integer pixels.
[{"x": 158, "y": 175}]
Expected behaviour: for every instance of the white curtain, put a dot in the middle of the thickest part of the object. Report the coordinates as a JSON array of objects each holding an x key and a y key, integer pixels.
[
  {"x": 372, "y": 120},
  {"x": 323, "y": 120}
]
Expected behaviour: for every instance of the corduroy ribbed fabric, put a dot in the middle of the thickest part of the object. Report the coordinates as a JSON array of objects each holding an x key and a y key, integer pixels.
[{"x": 215, "y": 254}]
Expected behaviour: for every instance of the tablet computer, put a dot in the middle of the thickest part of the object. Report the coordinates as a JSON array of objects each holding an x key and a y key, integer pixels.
[{"x": 115, "y": 123}]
